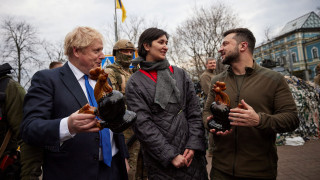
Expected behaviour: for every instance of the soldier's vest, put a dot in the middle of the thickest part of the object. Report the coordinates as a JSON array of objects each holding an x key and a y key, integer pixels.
[{"x": 118, "y": 74}]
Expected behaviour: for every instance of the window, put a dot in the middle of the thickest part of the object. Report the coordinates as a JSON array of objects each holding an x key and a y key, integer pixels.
[
  {"x": 283, "y": 60},
  {"x": 315, "y": 52},
  {"x": 294, "y": 57},
  {"x": 278, "y": 60}
]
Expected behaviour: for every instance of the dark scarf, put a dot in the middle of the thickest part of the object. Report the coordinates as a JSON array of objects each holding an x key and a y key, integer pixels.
[{"x": 166, "y": 88}]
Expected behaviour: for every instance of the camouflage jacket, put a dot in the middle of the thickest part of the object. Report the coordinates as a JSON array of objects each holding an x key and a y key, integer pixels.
[{"x": 118, "y": 76}]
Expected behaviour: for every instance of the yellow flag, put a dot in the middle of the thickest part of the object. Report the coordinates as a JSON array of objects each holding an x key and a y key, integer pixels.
[{"x": 119, "y": 5}]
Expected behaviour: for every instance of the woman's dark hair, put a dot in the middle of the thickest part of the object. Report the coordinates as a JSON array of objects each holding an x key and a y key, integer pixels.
[{"x": 147, "y": 37}]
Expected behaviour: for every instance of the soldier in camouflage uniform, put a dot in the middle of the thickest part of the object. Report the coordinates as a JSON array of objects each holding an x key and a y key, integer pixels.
[{"x": 119, "y": 74}]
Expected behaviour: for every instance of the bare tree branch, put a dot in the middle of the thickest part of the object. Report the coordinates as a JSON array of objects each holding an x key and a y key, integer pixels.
[
  {"x": 54, "y": 52},
  {"x": 20, "y": 48},
  {"x": 200, "y": 36}
]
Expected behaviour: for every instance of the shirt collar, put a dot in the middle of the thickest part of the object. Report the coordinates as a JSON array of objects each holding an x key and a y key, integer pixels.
[
  {"x": 249, "y": 70},
  {"x": 76, "y": 71}
]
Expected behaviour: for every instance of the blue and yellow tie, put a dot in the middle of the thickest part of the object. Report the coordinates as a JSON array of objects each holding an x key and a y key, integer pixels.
[{"x": 105, "y": 142}]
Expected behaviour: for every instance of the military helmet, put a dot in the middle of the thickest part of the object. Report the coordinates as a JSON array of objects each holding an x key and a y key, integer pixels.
[{"x": 123, "y": 44}]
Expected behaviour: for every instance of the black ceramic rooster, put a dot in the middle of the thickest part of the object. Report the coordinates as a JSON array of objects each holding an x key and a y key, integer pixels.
[
  {"x": 220, "y": 108},
  {"x": 111, "y": 106}
]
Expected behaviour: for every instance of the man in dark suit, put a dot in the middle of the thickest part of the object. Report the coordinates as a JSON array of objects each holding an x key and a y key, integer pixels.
[{"x": 51, "y": 120}]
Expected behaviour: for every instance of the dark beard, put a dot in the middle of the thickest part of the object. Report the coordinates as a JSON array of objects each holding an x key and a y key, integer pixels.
[{"x": 231, "y": 58}]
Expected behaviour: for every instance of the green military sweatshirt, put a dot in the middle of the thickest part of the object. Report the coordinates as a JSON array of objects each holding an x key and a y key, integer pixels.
[{"x": 251, "y": 151}]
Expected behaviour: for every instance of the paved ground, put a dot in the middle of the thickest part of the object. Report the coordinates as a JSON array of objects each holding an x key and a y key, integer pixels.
[{"x": 297, "y": 162}]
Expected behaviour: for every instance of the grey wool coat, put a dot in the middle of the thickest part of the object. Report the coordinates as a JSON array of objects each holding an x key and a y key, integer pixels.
[{"x": 166, "y": 133}]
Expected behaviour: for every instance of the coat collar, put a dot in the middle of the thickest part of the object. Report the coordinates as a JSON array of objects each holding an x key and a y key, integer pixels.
[
  {"x": 71, "y": 82},
  {"x": 249, "y": 70}
]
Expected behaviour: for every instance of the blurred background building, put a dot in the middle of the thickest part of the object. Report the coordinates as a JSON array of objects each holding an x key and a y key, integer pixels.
[{"x": 295, "y": 50}]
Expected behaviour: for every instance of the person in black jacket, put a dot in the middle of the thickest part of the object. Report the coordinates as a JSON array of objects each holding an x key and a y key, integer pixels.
[{"x": 168, "y": 125}]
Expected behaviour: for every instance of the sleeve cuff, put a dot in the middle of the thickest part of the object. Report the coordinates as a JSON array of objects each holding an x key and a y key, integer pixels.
[{"x": 64, "y": 131}]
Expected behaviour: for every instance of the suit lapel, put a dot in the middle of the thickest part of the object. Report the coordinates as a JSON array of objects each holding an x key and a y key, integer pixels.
[{"x": 70, "y": 81}]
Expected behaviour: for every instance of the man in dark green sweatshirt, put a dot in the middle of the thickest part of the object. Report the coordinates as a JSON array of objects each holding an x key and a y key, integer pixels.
[{"x": 248, "y": 150}]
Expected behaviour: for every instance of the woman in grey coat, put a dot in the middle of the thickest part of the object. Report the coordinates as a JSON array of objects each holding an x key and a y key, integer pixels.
[{"x": 168, "y": 125}]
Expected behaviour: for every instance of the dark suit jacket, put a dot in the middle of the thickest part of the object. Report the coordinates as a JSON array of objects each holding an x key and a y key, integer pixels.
[{"x": 53, "y": 95}]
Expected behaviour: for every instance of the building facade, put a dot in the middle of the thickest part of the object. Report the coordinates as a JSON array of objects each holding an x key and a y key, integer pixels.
[{"x": 296, "y": 48}]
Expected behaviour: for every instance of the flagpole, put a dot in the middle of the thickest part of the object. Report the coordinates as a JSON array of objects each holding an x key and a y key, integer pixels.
[{"x": 115, "y": 21}]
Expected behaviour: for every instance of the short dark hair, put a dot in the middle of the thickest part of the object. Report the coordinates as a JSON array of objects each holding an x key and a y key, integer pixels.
[
  {"x": 53, "y": 64},
  {"x": 243, "y": 34},
  {"x": 147, "y": 37}
]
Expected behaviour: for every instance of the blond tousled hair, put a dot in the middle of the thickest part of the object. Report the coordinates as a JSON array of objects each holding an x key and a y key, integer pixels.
[{"x": 80, "y": 38}]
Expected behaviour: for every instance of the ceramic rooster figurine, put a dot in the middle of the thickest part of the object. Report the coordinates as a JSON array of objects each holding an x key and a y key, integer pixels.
[
  {"x": 220, "y": 108},
  {"x": 111, "y": 105}
]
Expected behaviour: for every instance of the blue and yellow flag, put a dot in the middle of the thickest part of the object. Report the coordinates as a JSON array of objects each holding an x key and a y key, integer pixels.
[{"x": 119, "y": 5}]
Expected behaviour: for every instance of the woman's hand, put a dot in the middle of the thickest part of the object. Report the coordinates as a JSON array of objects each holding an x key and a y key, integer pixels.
[
  {"x": 188, "y": 154},
  {"x": 179, "y": 161}
]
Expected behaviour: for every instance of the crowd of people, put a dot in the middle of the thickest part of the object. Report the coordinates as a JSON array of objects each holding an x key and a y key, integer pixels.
[{"x": 168, "y": 138}]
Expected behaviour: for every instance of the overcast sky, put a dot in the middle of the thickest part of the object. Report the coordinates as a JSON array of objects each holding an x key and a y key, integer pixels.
[{"x": 55, "y": 18}]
